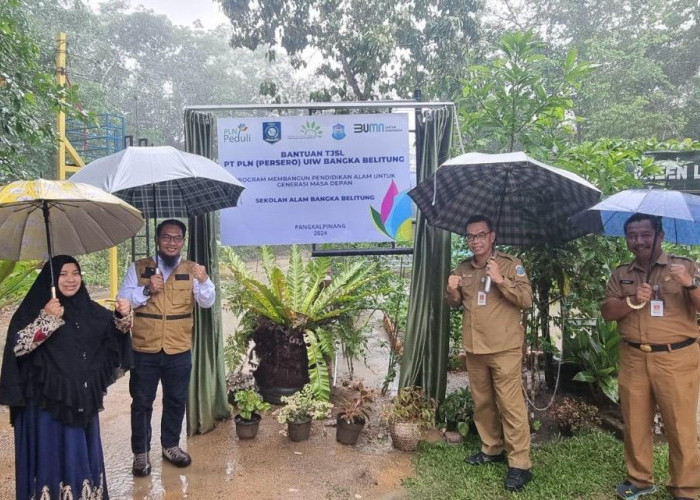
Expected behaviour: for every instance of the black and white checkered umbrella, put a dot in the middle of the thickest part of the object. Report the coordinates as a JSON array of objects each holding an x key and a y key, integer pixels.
[
  {"x": 163, "y": 181},
  {"x": 528, "y": 201}
]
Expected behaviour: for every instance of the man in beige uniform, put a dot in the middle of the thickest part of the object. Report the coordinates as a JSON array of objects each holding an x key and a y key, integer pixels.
[
  {"x": 655, "y": 307},
  {"x": 494, "y": 289}
]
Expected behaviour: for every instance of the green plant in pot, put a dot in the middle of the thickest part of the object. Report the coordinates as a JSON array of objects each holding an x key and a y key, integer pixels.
[
  {"x": 410, "y": 412},
  {"x": 299, "y": 411},
  {"x": 294, "y": 318},
  {"x": 457, "y": 411},
  {"x": 249, "y": 405},
  {"x": 353, "y": 415}
]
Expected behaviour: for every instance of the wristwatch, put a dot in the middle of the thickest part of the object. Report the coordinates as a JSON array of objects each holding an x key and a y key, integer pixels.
[
  {"x": 146, "y": 291},
  {"x": 694, "y": 284}
]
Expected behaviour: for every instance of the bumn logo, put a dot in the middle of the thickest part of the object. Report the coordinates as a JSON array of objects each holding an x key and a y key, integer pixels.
[
  {"x": 272, "y": 132},
  {"x": 368, "y": 128}
]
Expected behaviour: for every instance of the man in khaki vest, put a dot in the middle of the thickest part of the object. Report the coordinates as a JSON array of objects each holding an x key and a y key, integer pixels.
[
  {"x": 163, "y": 294},
  {"x": 655, "y": 299},
  {"x": 494, "y": 289}
]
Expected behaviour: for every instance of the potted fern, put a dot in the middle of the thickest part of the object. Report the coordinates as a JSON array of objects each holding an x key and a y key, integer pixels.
[
  {"x": 353, "y": 415},
  {"x": 299, "y": 411},
  {"x": 295, "y": 318},
  {"x": 249, "y": 405}
]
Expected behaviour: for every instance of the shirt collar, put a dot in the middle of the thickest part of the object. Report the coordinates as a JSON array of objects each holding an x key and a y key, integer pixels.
[{"x": 662, "y": 260}]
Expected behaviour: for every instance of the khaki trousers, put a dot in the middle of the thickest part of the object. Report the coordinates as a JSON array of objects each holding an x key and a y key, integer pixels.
[
  {"x": 669, "y": 380},
  {"x": 500, "y": 413}
]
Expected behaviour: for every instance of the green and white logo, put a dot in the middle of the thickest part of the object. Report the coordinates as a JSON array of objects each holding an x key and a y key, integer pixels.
[{"x": 311, "y": 129}]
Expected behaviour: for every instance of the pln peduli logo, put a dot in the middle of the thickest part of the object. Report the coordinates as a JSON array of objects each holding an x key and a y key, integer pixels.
[
  {"x": 394, "y": 218},
  {"x": 272, "y": 132},
  {"x": 338, "y": 131},
  {"x": 237, "y": 134}
]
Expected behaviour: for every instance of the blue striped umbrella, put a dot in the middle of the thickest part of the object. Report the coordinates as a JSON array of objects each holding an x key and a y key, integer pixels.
[{"x": 680, "y": 213}]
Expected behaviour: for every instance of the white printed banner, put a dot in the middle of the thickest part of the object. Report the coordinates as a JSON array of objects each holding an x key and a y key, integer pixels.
[{"x": 317, "y": 179}]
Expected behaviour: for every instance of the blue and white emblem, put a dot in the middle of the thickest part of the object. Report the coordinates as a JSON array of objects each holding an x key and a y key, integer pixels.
[
  {"x": 272, "y": 132},
  {"x": 338, "y": 131},
  {"x": 520, "y": 270}
]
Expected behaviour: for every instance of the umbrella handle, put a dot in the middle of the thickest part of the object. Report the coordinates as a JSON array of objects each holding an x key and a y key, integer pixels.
[
  {"x": 53, "y": 292},
  {"x": 634, "y": 306}
]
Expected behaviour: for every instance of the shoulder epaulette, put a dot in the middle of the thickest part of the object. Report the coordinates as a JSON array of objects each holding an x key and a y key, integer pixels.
[{"x": 683, "y": 257}]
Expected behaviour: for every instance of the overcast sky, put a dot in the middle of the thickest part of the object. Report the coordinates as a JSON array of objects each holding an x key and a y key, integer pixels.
[{"x": 183, "y": 12}]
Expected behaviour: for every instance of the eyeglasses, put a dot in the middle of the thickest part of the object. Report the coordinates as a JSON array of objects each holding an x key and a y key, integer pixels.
[
  {"x": 477, "y": 237},
  {"x": 170, "y": 237}
]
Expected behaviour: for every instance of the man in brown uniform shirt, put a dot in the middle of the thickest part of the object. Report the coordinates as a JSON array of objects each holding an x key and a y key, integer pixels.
[
  {"x": 493, "y": 337},
  {"x": 655, "y": 307}
]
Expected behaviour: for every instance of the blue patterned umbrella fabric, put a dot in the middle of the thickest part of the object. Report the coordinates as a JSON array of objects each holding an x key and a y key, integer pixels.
[
  {"x": 680, "y": 214},
  {"x": 530, "y": 202}
]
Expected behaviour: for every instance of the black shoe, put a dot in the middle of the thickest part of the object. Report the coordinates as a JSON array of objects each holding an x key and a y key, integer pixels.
[
  {"x": 517, "y": 478},
  {"x": 142, "y": 465},
  {"x": 482, "y": 458},
  {"x": 177, "y": 456}
]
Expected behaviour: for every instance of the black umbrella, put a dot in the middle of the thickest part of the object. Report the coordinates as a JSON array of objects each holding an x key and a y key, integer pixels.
[{"x": 528, "y": 201}]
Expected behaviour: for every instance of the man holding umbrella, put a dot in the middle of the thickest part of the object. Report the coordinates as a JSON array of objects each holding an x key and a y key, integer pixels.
[
  {"x": 493, "y": 336},
  {"x": 163, "y": 292},
  {"x": 655, "y": 299}
]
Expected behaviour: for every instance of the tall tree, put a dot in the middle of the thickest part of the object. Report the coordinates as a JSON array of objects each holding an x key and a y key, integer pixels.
[
  {"x": 521, "y": 99},
  {"x": 29, "y": 97},
  {"x": 366, "y": 49}
]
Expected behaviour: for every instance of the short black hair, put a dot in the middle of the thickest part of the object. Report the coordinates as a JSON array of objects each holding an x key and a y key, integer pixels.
[
  {"x": 655, "y": 220},
  {"x": 171, "y": 222},
  {"x": 479, "y": 218}
]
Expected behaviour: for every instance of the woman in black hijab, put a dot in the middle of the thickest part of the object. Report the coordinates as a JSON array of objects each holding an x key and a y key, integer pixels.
[{"x": 60, "y": 356}]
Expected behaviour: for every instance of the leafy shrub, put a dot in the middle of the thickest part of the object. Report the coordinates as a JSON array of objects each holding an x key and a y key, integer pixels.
[
  {"x": 249, "y": 402},
  {"x": 457, "y": 407},
  {"x": 357, "y": 409},
  {"x": 412, "y": 405},
  {"x": 573, "y": 415},
  {"x": 301, "y": 406}
]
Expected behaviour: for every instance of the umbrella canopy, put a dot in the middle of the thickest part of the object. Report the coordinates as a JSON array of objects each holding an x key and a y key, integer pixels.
[
  {"x": 163, "y": 181},
  {"x": 680, "y": 214},
  {"x": 41, "y": 218},
  {"x": 528, "y": 201}
]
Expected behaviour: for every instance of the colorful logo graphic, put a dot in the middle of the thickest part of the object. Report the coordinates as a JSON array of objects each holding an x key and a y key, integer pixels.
[
  {"x": 338, "y": 131},
  {"x": 238, "y": 134},
  {"x": 395, "y": 219},
  {"x": 272, "y": 132},
  {"x": 311, "y": 129}
]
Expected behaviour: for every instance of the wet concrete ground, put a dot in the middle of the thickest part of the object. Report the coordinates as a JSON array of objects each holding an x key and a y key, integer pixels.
[{"x": 267, "y": 467}]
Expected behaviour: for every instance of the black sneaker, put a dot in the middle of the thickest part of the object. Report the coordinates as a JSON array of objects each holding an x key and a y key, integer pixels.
[
  {"x": 482, "y": 458},
  {"x": 516, "y": 479},
  {"x": 177, "y": 456},
  {"x": 628, "y": 491},
  {"x": 142, "y": 465}
]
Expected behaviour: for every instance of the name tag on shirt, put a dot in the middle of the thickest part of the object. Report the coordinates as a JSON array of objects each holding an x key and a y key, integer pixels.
[
  {"x": 657, "y": 308},
  {"x": 481, "y": 298}
]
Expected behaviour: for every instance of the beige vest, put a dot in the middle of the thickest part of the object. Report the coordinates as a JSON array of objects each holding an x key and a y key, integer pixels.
[{"x": 165, "y": 321}]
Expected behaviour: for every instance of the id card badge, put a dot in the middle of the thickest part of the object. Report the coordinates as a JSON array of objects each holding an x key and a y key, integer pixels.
[
  {"x": 657, "y": 308},
  {"x": 481, "y": 298}
]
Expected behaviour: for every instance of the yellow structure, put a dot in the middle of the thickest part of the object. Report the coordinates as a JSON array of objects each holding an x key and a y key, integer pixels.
[{"x": 65, "y": 147}]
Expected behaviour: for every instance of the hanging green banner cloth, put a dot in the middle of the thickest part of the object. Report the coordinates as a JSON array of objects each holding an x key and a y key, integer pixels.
[{"x": 207, "y": 400}]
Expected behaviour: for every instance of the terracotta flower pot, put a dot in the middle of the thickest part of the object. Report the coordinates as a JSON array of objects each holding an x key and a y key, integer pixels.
[
  {"x": 247, "y": 429},
  {"x": 299, "y": 431}
]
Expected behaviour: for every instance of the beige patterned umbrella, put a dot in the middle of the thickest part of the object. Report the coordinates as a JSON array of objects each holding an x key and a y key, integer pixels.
[{"x": 42, "y": 218}]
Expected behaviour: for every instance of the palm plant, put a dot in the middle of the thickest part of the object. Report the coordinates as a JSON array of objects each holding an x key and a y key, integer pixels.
[
  {"x": 300, "y": 311},
  {"x": 15, "y": 280}
]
